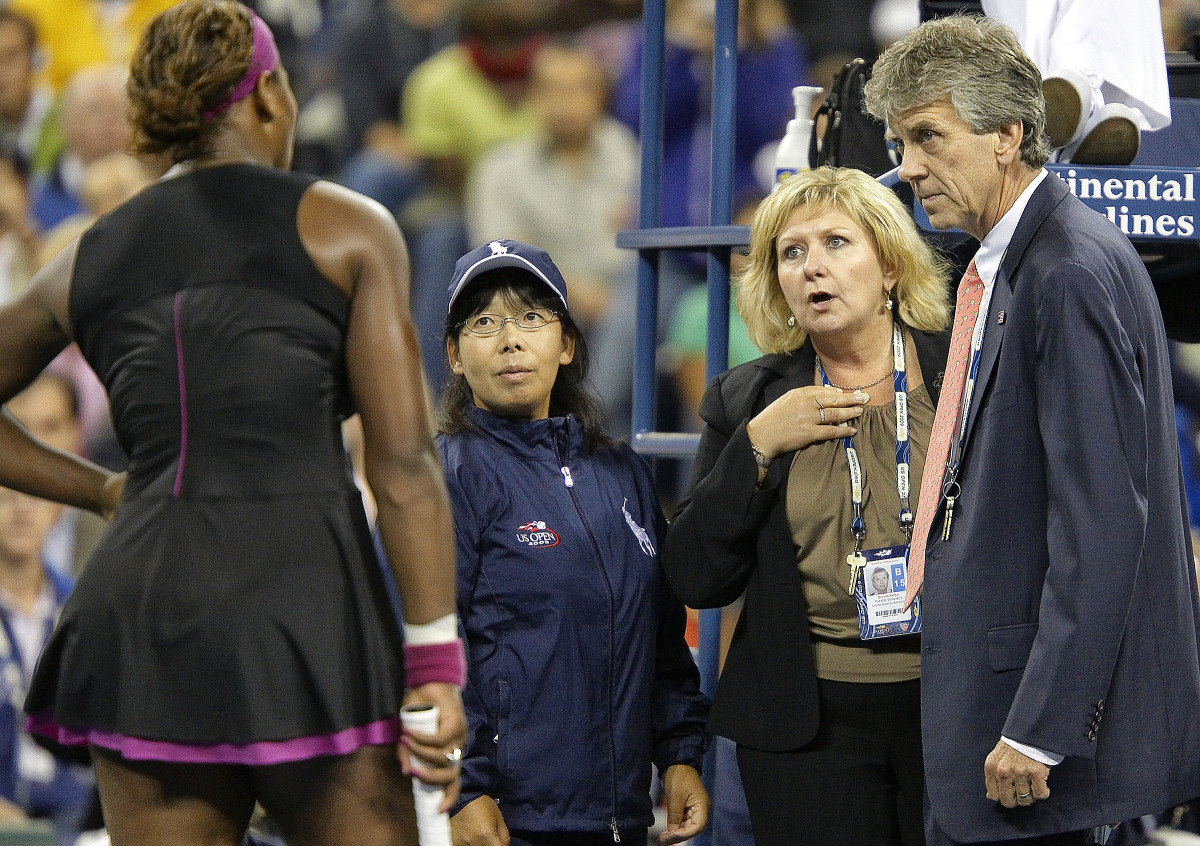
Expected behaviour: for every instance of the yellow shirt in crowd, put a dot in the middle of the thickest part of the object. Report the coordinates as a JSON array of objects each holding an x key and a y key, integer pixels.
[{"x": 77, "y": 33}]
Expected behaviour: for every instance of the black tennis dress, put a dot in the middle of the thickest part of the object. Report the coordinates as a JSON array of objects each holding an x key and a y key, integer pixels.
[{"x": 234, "y": 612}]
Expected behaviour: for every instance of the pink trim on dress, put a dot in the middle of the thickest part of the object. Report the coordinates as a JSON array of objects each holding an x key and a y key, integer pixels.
[
  {"x": 260, "y": 753},
  {"x": 183, "y": 412}
]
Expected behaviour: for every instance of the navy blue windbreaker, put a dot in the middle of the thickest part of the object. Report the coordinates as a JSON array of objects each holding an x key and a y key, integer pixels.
[{"x": 578, "y": 673}]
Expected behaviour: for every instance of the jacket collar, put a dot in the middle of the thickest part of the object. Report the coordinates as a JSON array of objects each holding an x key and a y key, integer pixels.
[
  {"x": 785, "y": 371},
  {"x": 560, "y": 437},
  {"x": 790, "y": 370},
  {"x": 1046, "y": 198}
]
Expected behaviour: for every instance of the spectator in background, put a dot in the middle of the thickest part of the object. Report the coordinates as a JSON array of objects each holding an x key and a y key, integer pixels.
[
  {"x": 834, "y": 31},
  {"x": 471, "y": 96},
  {"x": 26, "y": 127},
  {"x": 567, "y": 189},
  {"x": 32, "y": 782},
  {"x": 458, "y": 104},
  {"x": 1185, "y": 383},
  {"x": 687, "y": 341},
  {"x": 50, "y": 409},
  {"x": 771, "y": 61},
  {"x": 378, "y": 49},
  {"x": 1181, "y": 21},
  {"x": 19, "y": 242},
  {"x": 107, "y": 182},
  {"x": 604, "y": 28},
  {"x": 93, "y": 124},
  {"x": 76, "y": 34}
]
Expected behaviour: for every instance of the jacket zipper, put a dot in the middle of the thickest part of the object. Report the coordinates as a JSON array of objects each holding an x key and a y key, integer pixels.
[{"x": 569, "y": 484}]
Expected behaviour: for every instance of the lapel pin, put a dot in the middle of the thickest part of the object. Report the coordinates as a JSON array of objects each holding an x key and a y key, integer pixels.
[{"x": 1001, "y": 317}]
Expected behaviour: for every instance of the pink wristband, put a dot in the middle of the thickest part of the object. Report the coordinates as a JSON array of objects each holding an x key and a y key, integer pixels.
[{"x": 435, "y": 662}]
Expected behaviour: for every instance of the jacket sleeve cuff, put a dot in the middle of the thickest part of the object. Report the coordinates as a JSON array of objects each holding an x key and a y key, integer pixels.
[
  {"x": 475, "y": 782},
  {"x": 684, "y": 750},
  {"x": 465, "y": 798}
]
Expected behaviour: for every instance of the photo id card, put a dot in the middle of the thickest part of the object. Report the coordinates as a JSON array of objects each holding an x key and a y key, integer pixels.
[{"x": 879, "y": 594}]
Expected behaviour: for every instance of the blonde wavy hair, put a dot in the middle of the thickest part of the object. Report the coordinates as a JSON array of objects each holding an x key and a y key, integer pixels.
[{"x": 922, "y": 293}]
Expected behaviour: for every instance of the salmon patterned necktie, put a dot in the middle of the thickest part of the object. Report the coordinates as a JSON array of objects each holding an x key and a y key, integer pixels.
[{"x": 970, "y": 292}]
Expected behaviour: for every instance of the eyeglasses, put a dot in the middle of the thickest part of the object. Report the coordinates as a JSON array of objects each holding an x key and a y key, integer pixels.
[{"x": 485, "y": 325}]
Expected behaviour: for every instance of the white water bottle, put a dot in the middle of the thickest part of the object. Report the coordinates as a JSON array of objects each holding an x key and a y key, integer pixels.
[
  {"x": 792, "y": 155},
  {"x": 433, "y": 826}
]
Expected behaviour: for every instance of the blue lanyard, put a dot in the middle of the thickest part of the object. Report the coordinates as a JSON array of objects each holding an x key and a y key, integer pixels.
[
  {"x": 858, "y": 526},
  {"x": 954, "y": 459}
]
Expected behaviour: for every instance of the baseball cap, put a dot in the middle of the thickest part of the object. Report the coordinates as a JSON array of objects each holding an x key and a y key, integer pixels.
[{"x": 505, "y": 253}]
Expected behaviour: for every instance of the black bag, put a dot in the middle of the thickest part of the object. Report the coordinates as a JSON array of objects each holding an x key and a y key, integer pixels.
[{"x": 852, "y": 137}]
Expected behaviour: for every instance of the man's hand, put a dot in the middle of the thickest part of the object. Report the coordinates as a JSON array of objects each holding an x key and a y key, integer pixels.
[
  {"x": 1014, "y": 779},
  {"x": 687, "y": 804},
  {"x": 479, "y": 823}
]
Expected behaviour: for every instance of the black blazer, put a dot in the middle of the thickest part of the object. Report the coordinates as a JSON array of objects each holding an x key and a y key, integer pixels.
[{"x": 730, "y": 536}]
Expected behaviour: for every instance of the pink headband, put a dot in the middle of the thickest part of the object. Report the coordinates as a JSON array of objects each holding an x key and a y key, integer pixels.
[{"x": 263, "y": 59}]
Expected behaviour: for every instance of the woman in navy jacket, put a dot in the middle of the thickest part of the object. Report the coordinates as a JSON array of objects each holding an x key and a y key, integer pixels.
[{"x": 579, "y": 674}]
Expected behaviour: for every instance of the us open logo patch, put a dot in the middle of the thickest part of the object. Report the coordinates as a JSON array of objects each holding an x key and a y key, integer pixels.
[{"x": 537, "y": 534}]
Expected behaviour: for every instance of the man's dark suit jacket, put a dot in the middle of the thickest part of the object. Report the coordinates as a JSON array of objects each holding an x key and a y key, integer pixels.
[
  {"x": 729, "y": 537},
  {"x": 1062, "y": 612}
]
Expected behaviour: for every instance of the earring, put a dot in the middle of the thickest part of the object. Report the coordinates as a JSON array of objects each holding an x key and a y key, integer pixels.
[
  {"x": 791, "y": 320},
  {"x": 888, "y": 304}
]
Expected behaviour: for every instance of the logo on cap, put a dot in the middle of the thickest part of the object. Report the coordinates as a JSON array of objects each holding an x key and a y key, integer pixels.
[{"x": 497, "y": 248}]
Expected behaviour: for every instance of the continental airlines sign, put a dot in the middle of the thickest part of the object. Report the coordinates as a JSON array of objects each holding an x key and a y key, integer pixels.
[{"x": 1142, "y": 202}]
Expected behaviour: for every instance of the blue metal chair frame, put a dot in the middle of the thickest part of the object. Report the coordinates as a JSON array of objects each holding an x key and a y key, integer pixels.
[{"x": 718, "y": 239}]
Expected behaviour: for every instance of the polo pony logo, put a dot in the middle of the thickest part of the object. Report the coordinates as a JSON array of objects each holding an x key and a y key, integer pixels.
[
  {"x": 497, "y": 248},
  {"x": 638, "y": 531}
]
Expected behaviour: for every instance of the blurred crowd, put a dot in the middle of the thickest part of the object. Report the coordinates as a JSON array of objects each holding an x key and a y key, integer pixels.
[{"x": 470, "y": 120}]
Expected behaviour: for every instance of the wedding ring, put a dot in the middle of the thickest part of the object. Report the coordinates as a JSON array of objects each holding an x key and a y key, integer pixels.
[
  {"x": 822, "y": 415},
  {"x": 817, "y": 400},
  {"x": 454, "y": 755},
  {"x": 1024, "y": 795}
]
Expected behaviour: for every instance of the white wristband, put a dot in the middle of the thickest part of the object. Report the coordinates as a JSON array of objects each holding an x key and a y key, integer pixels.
[{"x": 441, "y": 630}]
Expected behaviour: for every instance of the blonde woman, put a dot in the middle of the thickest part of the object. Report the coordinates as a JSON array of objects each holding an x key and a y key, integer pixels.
[{"x": 851, "y": 306}]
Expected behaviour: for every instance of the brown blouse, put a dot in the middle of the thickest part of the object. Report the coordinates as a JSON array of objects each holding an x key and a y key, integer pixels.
[{"x": 819, "y": 513}]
